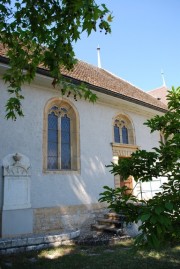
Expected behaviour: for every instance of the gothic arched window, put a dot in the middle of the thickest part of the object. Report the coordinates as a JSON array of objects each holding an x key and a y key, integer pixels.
[
  {"x": 61, "y": 137},
  {"x": 123, "y": 131}
]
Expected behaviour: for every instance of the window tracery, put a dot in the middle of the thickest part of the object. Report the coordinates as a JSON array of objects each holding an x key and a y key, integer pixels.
[
  {"x": 123, "y": 131},
  {"x": 61, "y": 137}
]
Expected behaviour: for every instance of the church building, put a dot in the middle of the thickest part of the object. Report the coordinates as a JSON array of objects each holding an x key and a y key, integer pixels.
[{"x": 53, "y": 160}]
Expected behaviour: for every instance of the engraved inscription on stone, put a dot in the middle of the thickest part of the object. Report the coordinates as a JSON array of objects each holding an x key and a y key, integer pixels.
[
  {"x": 16, "y": 172},
  {"x": 16, "y": 194},
  {"x": 122, "y": 150}
]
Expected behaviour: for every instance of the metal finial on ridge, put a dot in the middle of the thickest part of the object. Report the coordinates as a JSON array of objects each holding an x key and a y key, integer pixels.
[
  {"x": 99, "y": 59},
  {"x": 162, "y": 74}
]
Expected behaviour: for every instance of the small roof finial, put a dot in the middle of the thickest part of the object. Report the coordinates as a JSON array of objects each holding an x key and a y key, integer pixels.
[
  {"x": 99, "y": 59},
  {"x": 162, "y": 74}
]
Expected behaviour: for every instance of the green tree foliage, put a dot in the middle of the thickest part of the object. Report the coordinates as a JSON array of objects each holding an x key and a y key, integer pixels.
[
  {"x": 41, "y": 34},
  {"x": 160, "y": 215}
]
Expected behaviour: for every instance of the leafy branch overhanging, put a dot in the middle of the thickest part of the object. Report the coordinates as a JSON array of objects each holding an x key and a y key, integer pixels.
[
  {"x": 160, "y": 215},
  {"x": 41, "y": 34}
]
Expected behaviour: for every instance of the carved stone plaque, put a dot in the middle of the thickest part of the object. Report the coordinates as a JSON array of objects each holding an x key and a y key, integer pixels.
[
  {"x": 16, "y": 172},
  {"x": 123, "y": 150}
]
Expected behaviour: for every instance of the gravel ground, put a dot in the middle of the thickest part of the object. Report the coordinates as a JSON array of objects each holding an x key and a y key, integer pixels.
[{"x": 100, "y": 238}]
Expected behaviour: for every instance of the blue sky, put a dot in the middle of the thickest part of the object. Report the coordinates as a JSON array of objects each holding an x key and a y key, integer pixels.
[{"x": 145, "y": 39}]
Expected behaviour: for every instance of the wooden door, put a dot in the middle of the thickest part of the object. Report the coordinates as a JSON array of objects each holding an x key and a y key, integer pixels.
[{"x": 120, "y": 183}]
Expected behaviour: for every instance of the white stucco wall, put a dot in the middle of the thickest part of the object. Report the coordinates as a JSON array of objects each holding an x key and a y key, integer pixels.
[{"x": 25, "y": 135}]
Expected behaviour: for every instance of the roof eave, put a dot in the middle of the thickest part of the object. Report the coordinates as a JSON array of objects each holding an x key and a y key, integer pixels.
[{"x": 46, "y": 73}]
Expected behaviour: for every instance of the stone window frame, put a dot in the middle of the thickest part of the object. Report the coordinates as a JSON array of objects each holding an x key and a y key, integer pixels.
[
  {"x": 75, "y": 141},
  {"x": 120, "y": 150}
]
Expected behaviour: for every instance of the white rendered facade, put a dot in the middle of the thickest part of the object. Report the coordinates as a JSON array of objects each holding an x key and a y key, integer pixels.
[{"x": 60, "y": 199}]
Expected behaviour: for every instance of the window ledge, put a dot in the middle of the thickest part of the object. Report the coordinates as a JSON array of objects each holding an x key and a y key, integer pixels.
[
  {"x": 123, "y": 150},
  {"x": 121, "y": 145},
  {"x": 62, "y": 172}
]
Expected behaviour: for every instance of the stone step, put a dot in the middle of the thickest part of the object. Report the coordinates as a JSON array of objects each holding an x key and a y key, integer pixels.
[
  {"x": 114, "y": 222},
  {"x": 105, "y": 228}
]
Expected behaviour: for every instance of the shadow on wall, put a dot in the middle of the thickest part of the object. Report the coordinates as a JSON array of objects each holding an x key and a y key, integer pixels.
[
  {"x": 68, "y": 202},
  {"x": 90, "y": 183},
  {"x": 78, "y": 206}
]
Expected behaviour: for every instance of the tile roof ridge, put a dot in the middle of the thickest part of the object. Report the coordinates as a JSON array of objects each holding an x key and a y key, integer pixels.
[
  {"x": 82, "y": 61},
  {"x": 126, "y": 81},
  {"x": 158, "y": 88}
]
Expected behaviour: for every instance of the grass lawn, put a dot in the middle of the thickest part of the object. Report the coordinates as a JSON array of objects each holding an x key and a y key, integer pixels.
[{"x": 120, "y": 256}]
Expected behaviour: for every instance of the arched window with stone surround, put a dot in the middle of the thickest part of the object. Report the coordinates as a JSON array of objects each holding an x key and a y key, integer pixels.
[
  {"x": 61, "y": 136},
  {"x": 123, "y": 130},
  {"x": 123, "y": 145}
]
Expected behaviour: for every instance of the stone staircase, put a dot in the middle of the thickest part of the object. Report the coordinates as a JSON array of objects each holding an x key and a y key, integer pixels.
[{"x": 111, "y": 222}]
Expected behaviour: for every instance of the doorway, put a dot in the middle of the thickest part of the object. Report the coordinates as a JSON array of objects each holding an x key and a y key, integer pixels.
[{"x": 119, "y": 182}]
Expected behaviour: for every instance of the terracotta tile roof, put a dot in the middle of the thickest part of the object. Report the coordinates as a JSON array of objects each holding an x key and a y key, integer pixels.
[
  {"x": 160, "y": 93},
  {"x": 109, "y": 83},
  {"x": 103, "y": 79}
]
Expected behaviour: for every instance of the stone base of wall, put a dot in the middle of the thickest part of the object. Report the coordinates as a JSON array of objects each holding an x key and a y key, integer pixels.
[
  {"x": 67, "y": 218},
  {"x": 36, "y": 242}
]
